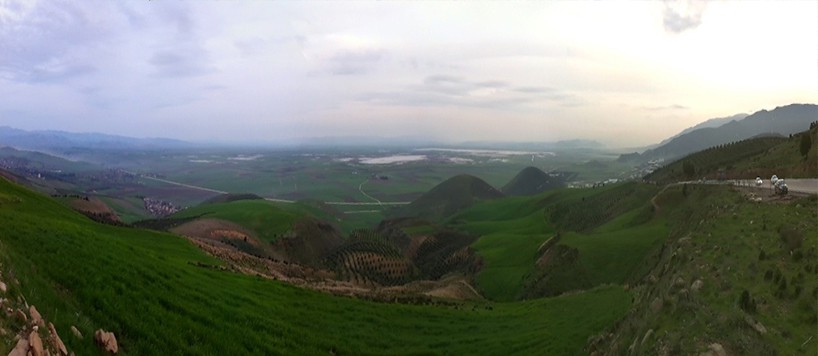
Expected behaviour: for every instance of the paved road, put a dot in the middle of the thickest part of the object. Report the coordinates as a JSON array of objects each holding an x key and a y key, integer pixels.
[
  {"x": 184, "y": 185},
  {"x": 378, "y": 202},
  {"x": 809, "y": 186},
  {"x": 361, "y": 189},
  {"x": 798, "y": 185}
]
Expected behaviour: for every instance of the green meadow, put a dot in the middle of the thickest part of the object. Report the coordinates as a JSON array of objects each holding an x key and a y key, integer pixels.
[
  {"x": 151, "y": 289},
  {"x": 266, "y": 219}
]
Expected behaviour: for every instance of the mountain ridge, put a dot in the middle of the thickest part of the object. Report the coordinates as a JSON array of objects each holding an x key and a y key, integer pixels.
[{"x": 783, "y": 120}]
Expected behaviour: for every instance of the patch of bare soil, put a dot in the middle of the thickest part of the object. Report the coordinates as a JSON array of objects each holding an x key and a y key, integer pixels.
[
  {"x": 91, "y": 205},
  {"x": 216, "y": 229},
  {"x": 459, "y": 289},
  {"x": 324, "y": 280},
  {"x": 94, "y": 208},
  {"x": 9, "y": 176},
  {"x": 765, "y": 195},
  {"x": 414, "y": 243}
]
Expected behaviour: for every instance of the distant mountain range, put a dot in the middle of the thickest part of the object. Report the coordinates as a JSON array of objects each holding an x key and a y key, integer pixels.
[
  {"x": 782, "y": 121},
  {"x": 61, "y": 140},
  {"x": 709, "y": 123},
  {"x": 577, "y": 144}
]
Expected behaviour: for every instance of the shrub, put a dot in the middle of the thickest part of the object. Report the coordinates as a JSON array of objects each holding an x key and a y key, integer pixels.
[
  {"x": 688, "y": 169},
  {"x": 806, "y": 308},
  {"x": 792, "y": 238},
  {"x": 782, "y": 288},
  {"x": 797, "y": 256},
  {"x": 806, "y": 143},
  {"x": 746, "y": 302}
]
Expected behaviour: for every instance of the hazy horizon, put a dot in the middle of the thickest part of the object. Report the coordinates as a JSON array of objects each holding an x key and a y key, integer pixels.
[{"x": 626, "y": 74}]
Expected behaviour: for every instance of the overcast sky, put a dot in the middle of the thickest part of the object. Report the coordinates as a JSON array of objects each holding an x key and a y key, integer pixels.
[{"x": 623, "y": 73}]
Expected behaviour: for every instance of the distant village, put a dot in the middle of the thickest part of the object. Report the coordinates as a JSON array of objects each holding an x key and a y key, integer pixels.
[
  {"x": 159, "y": 208},
  {"x": 635, "y": 174}
]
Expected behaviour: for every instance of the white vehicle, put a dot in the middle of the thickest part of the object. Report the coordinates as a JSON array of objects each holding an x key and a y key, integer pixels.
[
  {"x": 759, "y": 182},
  {"x": 781, "y": 187}
]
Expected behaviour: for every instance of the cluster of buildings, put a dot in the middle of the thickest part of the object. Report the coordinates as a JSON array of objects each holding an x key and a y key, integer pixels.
[
  {"x": 159, "y": 208},
  {"x": 24, "y": 167}
]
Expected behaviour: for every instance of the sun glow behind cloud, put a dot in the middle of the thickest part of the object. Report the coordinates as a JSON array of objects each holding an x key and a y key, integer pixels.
[{"x": 624, "y": 73}]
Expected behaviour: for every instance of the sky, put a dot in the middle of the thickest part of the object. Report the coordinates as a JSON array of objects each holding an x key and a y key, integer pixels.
[{"x": 626, "y": 74}]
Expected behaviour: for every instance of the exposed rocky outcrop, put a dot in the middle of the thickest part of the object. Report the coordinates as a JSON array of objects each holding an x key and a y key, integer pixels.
[
  {"x": 35, "y": 344},
  {"x": 55, "y": 340},
  {"x": 36, "y": 318},
  {"x": 76, "y": 332},
  {"x": 21, "y": 316},
  {"x": 106, "y": 340},
  {"x": 21, "y": 349}
]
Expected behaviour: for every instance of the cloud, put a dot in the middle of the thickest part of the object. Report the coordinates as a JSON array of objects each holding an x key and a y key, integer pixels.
[
  {"x": 535, "y": 90},
  {"x": 356, "y": 61},
  {"x": 59, "y": 73},
  {"x": 492, "y": 84},
  {"x": 341, "y": 54},
  {"x": 442, "y": 79},
  {"x": 674, "y": 107},
  {"x": 683, "y": 15},
  {"x": 183, "y": 62},
  {"x": 448, "y": 90},
  {"x": 47, "y": 41}
]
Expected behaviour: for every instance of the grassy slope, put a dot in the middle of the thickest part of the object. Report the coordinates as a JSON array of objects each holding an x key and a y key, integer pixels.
[
  {"x": 587, "y": 209},
  {"x": 269, "y": 219},
  {"x": 530, "y": 181},
  {"x": 141, "y": 285},
  {"x": 130, "y": 210},
  {"x": 511, "y": 231},
  {"x": 747, "y": 159},
  {"x": 265, "y": 218},
  {"x": 722, "y": 245},
  {"x": 785, "y": 160},
  {"x": 451, "y": 196},
  {"x": 612, "y": 254}
]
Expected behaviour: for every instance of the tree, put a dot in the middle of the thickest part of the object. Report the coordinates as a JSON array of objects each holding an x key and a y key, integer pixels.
[
  {"x": 688, "y": 169},
  {"x": 806, "y": 143},
  {"x": 746, "y": 302}
]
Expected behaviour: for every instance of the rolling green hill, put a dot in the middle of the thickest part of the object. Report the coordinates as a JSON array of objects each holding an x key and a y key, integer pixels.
[
  {"x": 267, "y": 220},
  {"x": 734, "y": 274},
  {"x": 511, "y": 230},
  {"x": 516, "y": 236},
  {"x": 160, "y": 294},
  {"x": 582, "y": 210},
  {"x": 46, "y": 163},
  {"x": 451, "y": 196},
  {"x": 703, "y": 265},
  {"x": 531, "y": 181},
  {"x": 229, "y": 198},
  {"x": 784, "y": 120},
  {"x": 747, "y": 159}
]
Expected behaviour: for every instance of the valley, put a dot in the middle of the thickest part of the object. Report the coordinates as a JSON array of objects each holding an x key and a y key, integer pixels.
[
  {"x": 408, "y": 178},
  {"x": 617, "y": 268}
]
